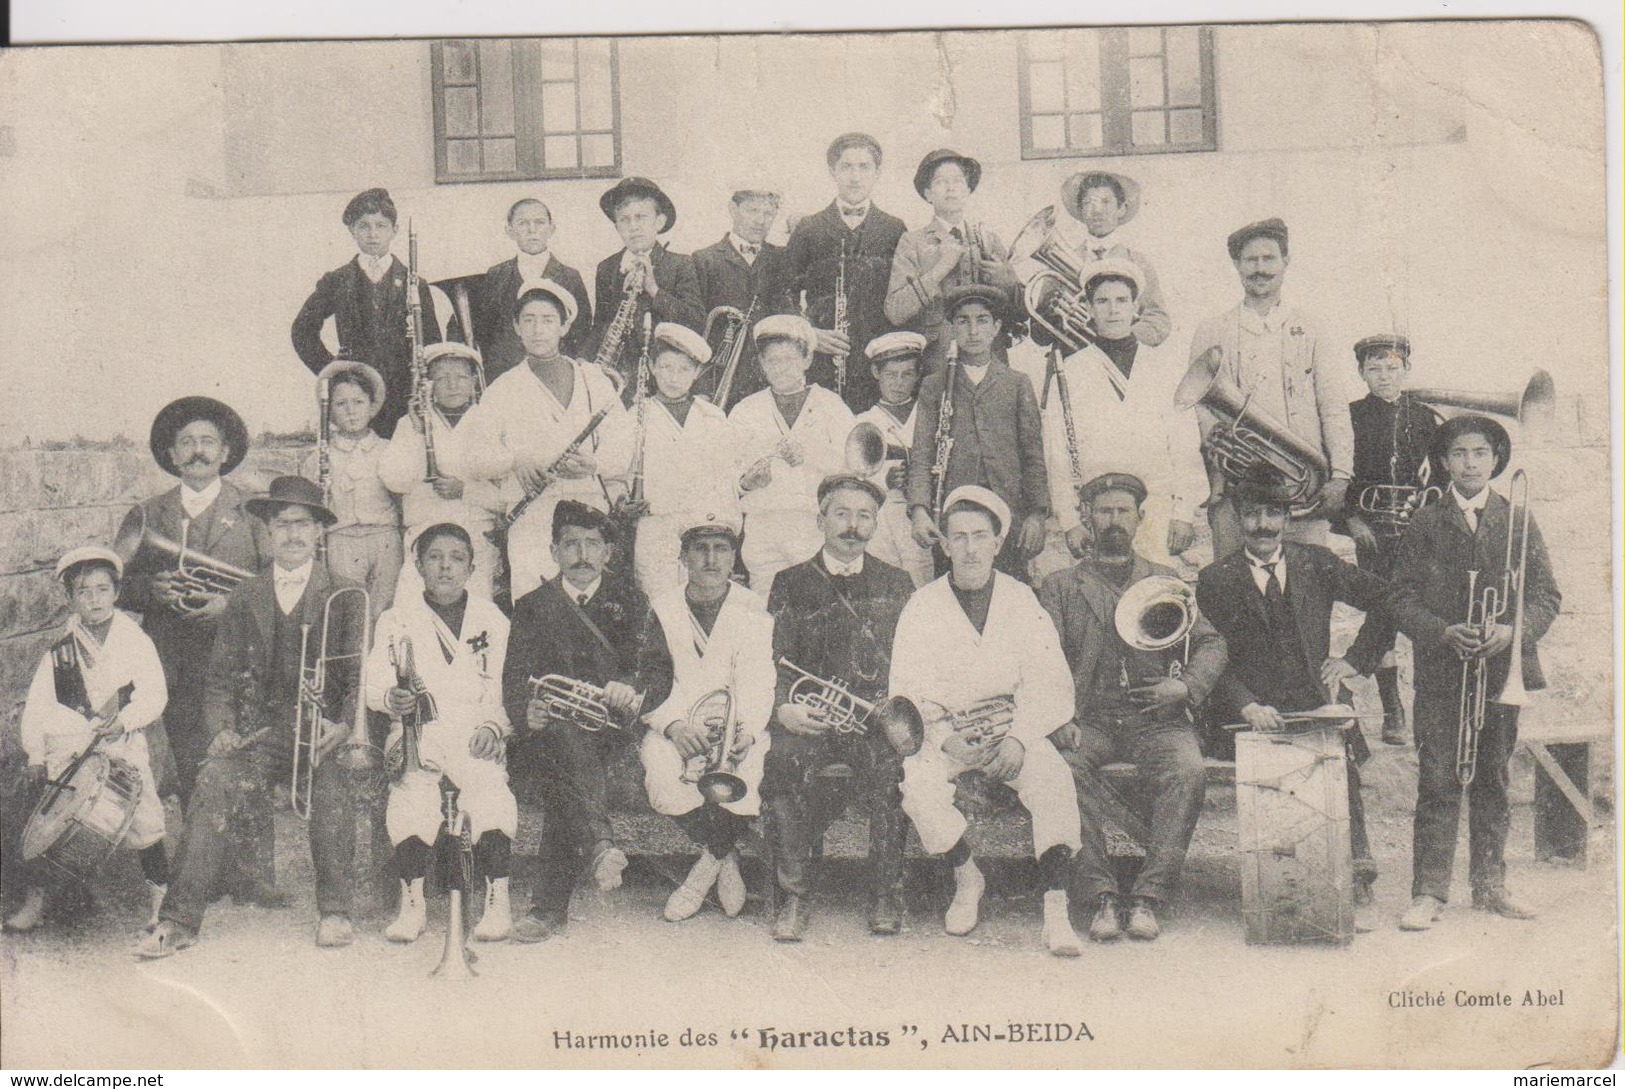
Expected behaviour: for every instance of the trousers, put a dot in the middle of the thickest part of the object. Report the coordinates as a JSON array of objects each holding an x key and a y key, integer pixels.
[
  {"x": 1439, "y": 795},
  {"x": 370, "y": 555},
  {"x": 569, "y": 767},
  {"x": 671, "y": 796},
  {"x": 1044, "y": 786},
  {"x": 414, "y": 801}
]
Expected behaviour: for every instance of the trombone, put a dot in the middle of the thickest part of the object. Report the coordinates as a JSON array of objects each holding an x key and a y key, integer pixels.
[
  {"x": 1486, "y": 607},
  {"x": 318, "y": 732}
]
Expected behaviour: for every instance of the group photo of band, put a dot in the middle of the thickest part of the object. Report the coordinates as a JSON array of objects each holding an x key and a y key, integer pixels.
[{"x": 918, "y": 505}]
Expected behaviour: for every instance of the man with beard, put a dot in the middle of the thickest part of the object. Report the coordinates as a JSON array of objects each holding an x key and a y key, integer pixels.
[
  {"x": 1272, "y": 601},
  {"x": 834, "y": 616},
  {"x": 1133, "y": 704},
  {"x": 1274, "y": 353}
]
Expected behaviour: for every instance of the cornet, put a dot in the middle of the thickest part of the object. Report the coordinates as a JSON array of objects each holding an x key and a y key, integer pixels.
[
  {"x": 581, "y": 704},
  {"x": 832, "y": 703},
  {"x": 317, "y": 732},
  {"x": 981, "y": 724},
  {"x": 712, "y": 771}
]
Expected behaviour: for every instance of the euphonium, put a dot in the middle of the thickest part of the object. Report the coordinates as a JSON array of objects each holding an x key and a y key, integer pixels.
[
  {"x": 1039, "y": 241},
  {"x": 581, "y": 704},
  {"x": 196, "y": 576},
  {"x": 1486, "y": 607},
  {"x": 713, "y": 770},
  {"x": 318, "y": 730},
  {"x": 1246, "y": 437}
]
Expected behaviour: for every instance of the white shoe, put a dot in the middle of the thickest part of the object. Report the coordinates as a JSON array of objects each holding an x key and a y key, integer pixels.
[
  {"x": 731, "y": 886},
  {"x": 156, "y": 893},
  {"x": 1059, "y": 936},
  {"x": 607, "y": 867},
  {"x": 496, "y": 922},
  {"x": 31, "y": 914},
  {"x": 408, "y": 925},
  {"x": 968, "y": 888},
  {"x": 685, "y": 899}
]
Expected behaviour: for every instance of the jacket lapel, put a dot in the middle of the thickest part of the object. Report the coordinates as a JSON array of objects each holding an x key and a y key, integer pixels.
[
  {"x": 1306, "y": 590},
  {"x": 221, "y": 517}
]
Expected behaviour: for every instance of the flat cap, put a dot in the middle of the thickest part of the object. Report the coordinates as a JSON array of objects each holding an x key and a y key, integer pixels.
[
  {"x": 685, "y": 340},
  {"x": 1113, "y": 482},
  {"x": 1382, "y": 344},
  {"x": 1264, "y": 228},
  {"x": 994, "y": 298},
  {"x": 367, "y": 202},
  {"x": 852, "y": 139},
  {"x": 836, "y": 481}
]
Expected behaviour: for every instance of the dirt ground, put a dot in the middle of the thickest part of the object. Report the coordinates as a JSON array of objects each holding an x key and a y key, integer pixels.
[{"x": 256, "y": 992}]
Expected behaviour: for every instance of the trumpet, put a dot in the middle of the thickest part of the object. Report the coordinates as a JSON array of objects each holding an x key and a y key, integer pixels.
[
  {"x": 867, "y": 449},
  {"x": 316, "y": 735},
  {"x": 197, "y": 576},
  {"x": 832, "y": 703},
  {"x": 731, "y": 348},
  {"x": 1486, "y": 607},
  {"x": 408, "y": 758},
  {"x": 581, "y": 704},
  {"x": 786, "y": 450},
  {"x": 713, "y": 771}
]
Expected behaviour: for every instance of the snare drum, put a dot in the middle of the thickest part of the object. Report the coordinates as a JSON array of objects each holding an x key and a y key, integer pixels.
[
  {"x": 78, "y": 826},
  {"x": 1292, "y": 817}
]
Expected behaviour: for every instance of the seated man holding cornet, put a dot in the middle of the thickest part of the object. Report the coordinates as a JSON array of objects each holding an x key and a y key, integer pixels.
[
  {"x": 436, "y": 670},
  {"x": 709, "y": 647},
  {"x": 980, "y": 660},
  {"x": 1141, "y": 658},
  {"x": 282, "y": 706}
]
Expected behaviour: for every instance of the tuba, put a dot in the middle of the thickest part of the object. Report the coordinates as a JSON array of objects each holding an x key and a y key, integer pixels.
[
  {"x": 1154, "y": 614},
  {"x": 1245, "y": 437},
  {"x": 1054, "y": 293},
  {"x": 342, "y": 640},
  {"x": 713, "y": 770},
  {"x": 197, "y": 575},
  {"x": 580, "y": 704}
]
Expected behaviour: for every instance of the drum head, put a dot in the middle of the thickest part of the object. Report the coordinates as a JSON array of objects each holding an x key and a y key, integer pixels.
[{"x": 59, "y": 806}]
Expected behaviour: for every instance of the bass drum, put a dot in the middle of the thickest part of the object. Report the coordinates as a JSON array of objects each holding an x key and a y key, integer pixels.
[
  {"x": 79, "y": 825},
  {"x": 1292, "y": 817}
]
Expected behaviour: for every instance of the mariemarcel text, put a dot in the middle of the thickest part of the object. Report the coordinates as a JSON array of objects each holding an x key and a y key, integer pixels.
[{"x": 781, "y": 1038}]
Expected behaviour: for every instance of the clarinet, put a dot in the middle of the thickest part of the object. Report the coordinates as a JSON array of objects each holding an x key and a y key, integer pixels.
[
  {"x": 498, "y": 533},
  {"x": 422, "y": 387},
  {"x": 945, "y": 427},
  {"x": 1070, "y": 427},
  {"x": 843, "y": 324}
]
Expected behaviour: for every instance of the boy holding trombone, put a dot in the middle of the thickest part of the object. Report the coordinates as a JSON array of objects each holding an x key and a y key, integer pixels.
[{"x": 1473, "y": 587}]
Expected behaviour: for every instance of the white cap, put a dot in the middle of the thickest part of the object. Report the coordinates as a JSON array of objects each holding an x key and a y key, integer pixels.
[
  {"x": 1113, "y": 266},
  {"x": 451, "y": 347},
  {"x": 685, "y": 340},
  {"x": 89, "y": 552},
  {"x": 555, "y": 289},
  {"x": 895, "y": 345},
  {"x": 789, "y": 326},
  {"x": 982, "y": 497}
]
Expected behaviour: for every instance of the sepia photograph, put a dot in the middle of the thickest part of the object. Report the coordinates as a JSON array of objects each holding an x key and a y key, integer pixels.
[{"x": 1054, "y": 547}]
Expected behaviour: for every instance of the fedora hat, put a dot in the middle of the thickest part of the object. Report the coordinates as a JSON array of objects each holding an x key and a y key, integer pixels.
[
  {"x": 628, "y": 188},
  {"x": 1454, "y": 428},
  {"x": 295, "y": 490},
  {"x": 177, "y": 414},
  {"x": 1074, "y": 188},
  {"x": 928, "y": 167}
]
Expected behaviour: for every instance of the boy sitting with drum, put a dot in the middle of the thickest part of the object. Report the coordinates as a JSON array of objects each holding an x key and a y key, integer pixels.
[{"x": 84, "y": 729}]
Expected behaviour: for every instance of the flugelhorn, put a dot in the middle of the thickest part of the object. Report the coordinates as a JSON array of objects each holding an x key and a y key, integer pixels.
[
  {"x": 581, "y": 704},
  {"x": 982, "y": 723},
  {"x": 713, "y": 771},
  {"x": 196, "y": 576},
  {"x": 867, "y": 450},
  {"x": 319, "y": 731},
  {"x": 1246, "y": 437}
]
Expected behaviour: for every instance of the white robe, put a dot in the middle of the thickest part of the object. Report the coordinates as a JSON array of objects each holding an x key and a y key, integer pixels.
[
  {"x": 688, "y": 469},
  {"x": 738, "y": 656},
  {"x": 468, "y": 694},
  {"x": 893, "y": 541}
]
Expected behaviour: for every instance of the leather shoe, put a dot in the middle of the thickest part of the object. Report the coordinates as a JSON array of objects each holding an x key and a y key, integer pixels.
[
  {"x": 535, "y": 928},
  {"x": 608, "y": 862},
  {"x": 165, "y": 940},
  {"x": 886, "y": 914},
  {"x": 1106, "y": 926},
  {"x": 1142, "y": 920},
  {"x": 334, "y": 932},
  {"x": 1497, "y": 901},
  {"x": 791, "y": 923},
  {"x": 1422, "y": 914}
]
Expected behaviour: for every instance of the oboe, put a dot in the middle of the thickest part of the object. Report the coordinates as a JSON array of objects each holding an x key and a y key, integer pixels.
[
  {"x": 843, "y": 324},
  {"x": 945, "y": 428}
]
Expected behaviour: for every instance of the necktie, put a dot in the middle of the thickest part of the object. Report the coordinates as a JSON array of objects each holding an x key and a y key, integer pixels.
[
  {"x": 749, "y": 251},
  {"x": 958, "y": 235},
  {"x": 1471, "y": 515},
  {"x": 581, "y": 599},
  {"x": 851, "y": 213}
]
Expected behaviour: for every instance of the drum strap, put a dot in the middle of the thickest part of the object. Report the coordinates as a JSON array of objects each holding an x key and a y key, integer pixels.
[{"x": 70, "y": 680}]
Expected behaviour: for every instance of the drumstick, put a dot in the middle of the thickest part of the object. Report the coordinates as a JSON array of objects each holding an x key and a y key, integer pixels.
[{"x": 1322, "y": 714}]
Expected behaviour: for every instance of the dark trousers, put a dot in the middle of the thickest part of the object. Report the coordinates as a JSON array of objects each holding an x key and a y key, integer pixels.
[
  {"x": 231, "y": 798},
  {"x": 1170, "y": 761},
  {"x": 1438, "y": 794},
  {"x": 799, "y": 813},
  {"x": 570, "y": 770},
  {"x": 1379, "y": 561}
]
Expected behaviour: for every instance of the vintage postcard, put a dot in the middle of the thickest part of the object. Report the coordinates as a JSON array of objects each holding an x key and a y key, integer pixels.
[{"x": 1066, "y": 547}]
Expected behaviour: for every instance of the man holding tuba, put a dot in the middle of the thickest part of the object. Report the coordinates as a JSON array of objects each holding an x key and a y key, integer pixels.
[
  {"x": 834, "y": 617},
  {"x": 275, "y": 629},
  {"x": 744, "y": 273},
  {"x": 1141, "y": 659},
  {"x": 705, "y": 662},
  {"x": 1470, "y": 540},
  {"x": 449, "y": 645}
]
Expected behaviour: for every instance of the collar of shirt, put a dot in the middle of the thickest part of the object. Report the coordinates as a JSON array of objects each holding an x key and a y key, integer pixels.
[
  {"x": 1261, "y": 568},
  {"x": 195, "y": 503},
  {"x": 1272, "y": 322},
  {"x": 577, "y": 594},
  {"x": 848, "y": 211},
  {"x": 290, "y": 585},
  {"x": 533, "y": 266},
  {"x": 946, "y": 229},
  {"x": 1471, "y": 507},
  {"x": 842, "y": 570},
  {"x": 973, "y": 373},
  {"x": 374, "y": 267},
  {"x": 1097, "y": 248},
  {"x": 630, "y": 260},
  {"x": 350, "y": 446},
  {"x": 748, "y": 250}
]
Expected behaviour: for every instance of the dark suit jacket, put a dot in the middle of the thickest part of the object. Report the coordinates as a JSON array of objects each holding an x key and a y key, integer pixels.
[
  {"x": 726, "y": 280},
  {"x": 998, "y": 441},
  {"x": 1430, "y": 582},
  {"x": 815, "y": 257},
  {"x": 493, "y": 314},
  {"x": 244, "y": 645},
  {"x": 678, "y": 301},
  {"x": 1084, "y": 607},
  {"x": 341, "y": 295},
  {"x": 547, "y": 636},
  {"x": 1315, "y": 578},
  {"x": 815, "y": 631}
]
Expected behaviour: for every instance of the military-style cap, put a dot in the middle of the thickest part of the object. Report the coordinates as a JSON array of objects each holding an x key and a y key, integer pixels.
[
  {"x": 710, "y": 524},
  {"x": 685, "y": 340},
  {"x": 368, "y": 376},
  {"x": 367, "y": 202},
  {"x": 173, "y": 417},
  {"x": 1264, "y": 228},
  {"x": 852, "y": 139},
  {"x": 553, "y": 290},
  {"x": 291, "y": 491},
  {"x": 791, "y": 327},
  {"x": 73, "y": 557},
  {"x": 1113, "y": 482},
  {"x": 755, "y": 185},
  {"x": 899, "y": 345},
  {"x": 1453, "y": 429},
  {"x": 1382, "y": 344},
  {"x": 1075, "y": 188},
  {"x": 933, "y": 159},
  {"x": 628, "y": 188},
  {"x": 850, "y": 480},
  {"x": 444, "y": 348},
  {"x": 1119, "y": 268},
  {"x": 994, "y": 298},
  {"x": 978, "y": 496}
]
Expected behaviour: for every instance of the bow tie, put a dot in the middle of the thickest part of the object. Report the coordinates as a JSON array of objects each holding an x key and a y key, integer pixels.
[
  {"x": 852, "y": 213},
  {"x": 749, "y": 250}
]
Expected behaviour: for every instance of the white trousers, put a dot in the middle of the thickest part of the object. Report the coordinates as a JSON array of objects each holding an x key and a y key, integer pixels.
[
  {"x": 671, "y": 797},
  {"x": 148, "y": 826},
  {"x": 776, "y": 539},
  {"x": 893, "y": 543},
  {"x": 1044, "y": 787},
  {"x": 414, "y": 802}
]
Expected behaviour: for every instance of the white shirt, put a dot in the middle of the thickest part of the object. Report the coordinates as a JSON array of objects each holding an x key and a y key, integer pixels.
[
  {"x": 577, "y": 594},
  {"x": 974, "y": 375},
  {"x": 195, "y": 503},
  {"x": 836, "y": 567},
  {"x": 1471, "y": 508},
  {"x": 374, "y": 267},
  {"x": 630, "y": 260},
  {"x": 944, "y": 227},
  {"x": 290, "y": 585},
  {"x": 532, "y": 269},
  {"x": 747, "y": 250},
  {"x": 1261, "y": 572},
  {"x": 1096, "y": 249}
]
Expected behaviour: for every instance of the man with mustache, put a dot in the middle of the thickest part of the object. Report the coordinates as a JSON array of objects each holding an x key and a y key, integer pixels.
[
  {"x": 1273, "y": 351},
  {"x": 1272, "y": 601},
  {"x": 584, "y": 624},
  {"x": 835, "y": 616},
  {"x": 1132, "y": 704}
]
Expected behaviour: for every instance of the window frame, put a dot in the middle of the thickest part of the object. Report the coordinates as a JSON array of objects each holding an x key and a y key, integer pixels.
[
  {"x": 1116, "y": 108},
  {"x": 528, "y": 134}
]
